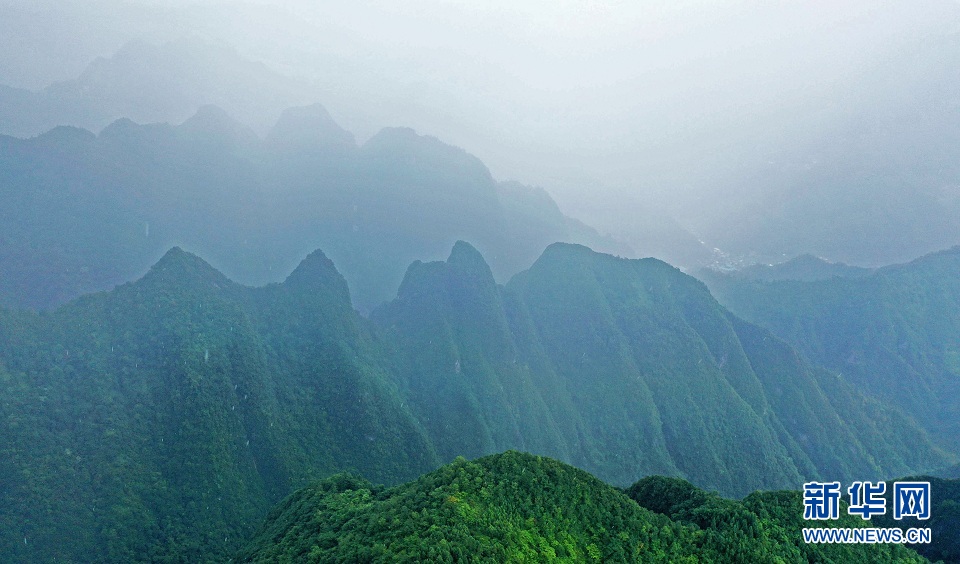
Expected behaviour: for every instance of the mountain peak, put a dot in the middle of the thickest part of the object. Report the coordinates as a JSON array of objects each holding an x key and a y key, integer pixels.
[
  {"x": 406, "y": 139},
  {"x": 212, "y": 123},
  {"x": 309, "y": 127},
  {"x": 176, "y": 257},
  {"x": 317, "y": 273},
  {"x": 465, "y": 257},
  {"x": 568, "y": 252},
  {"x": 464, "y": 268},
  {"x": 210, "y": 115},
  {"x": 403, "y": 144},
  {"x": 65, "y": 134},
  {"x": 565, "y": 251},
  {"x": 119, "y": 127},
  {"x": 397, "y": 133},
  {"x": 125, "y": 131},
  {"x": 179, "y": 267}
]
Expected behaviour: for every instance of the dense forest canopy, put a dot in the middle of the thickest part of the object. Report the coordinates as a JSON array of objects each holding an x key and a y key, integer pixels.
[{"x": 516, "y": 507}]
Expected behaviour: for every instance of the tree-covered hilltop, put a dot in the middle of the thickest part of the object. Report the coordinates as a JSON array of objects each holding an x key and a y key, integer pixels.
[
  {"x": 516, "y": 507},
  {"x": 627, "y": 368},
  {"x": 160, "y": 421},
  {"x": 84, "y": 212},
  {"x": 894, "y": 334}
]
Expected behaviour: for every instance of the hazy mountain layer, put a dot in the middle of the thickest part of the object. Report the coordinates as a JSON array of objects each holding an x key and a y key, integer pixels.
[
  {"x": 895, "y": 334},
  {"x": 858, "y": 164},
  {"x": 154, "y": 83},
  {"x": 83, "y": 212},
  {"x": 803, "y": 267},
  {"x": 516, "y": 507}
]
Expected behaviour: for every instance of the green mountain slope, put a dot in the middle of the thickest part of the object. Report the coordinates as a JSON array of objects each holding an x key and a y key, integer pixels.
[
  {"x": 627, "y": 368},
  {"x": 895, "y": 334},
  {"x": 160, "y": 421},
  {"x": 522, "y": 508},
  {"x": 456, "y": 361}
]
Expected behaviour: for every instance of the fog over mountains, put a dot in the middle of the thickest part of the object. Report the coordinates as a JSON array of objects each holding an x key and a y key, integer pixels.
[
  {"x": 149, "y": 83},
  {"x": 262, "y": 255},
  {"x": 101, "y": 208},
  {"x": 763, "y": 131}
]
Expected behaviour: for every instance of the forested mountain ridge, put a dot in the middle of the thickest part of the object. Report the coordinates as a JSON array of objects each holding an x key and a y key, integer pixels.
[
  {"x": 515, "y": 507},
  {"x": 84, "y": 212},
  {"x": 161, "y": 420},
  {"x": 456, "y": 360},
  {"x": 626, "y": 368},
  {"x": 708, "y": 375},
  {"x": 894, "y": 334},
  {"x": 179, "y": 407}
]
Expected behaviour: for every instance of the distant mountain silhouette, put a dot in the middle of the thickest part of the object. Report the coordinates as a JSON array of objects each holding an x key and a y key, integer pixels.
[
  {"x": 309, "y": 128},
  {"x": 83, "y": 212},
  {"x": 149, "y": 83},
  {"x": 804, "y": 267}
]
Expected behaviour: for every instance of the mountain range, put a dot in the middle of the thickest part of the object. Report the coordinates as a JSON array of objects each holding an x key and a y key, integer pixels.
[
  {"x": 161, "y": 419},
  {"x": 84, "y": 212},
  {"x": 151, "y": 83},
  {"x": 892, "y": 333},
  {"x": 861, "y": 173}
]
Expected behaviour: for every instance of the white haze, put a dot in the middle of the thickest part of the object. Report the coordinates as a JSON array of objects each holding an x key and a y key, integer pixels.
[{"x": 614, "y": 107}]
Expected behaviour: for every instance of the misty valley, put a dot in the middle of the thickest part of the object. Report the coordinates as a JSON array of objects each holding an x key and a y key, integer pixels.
[{"x": 230, "y": 331}]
